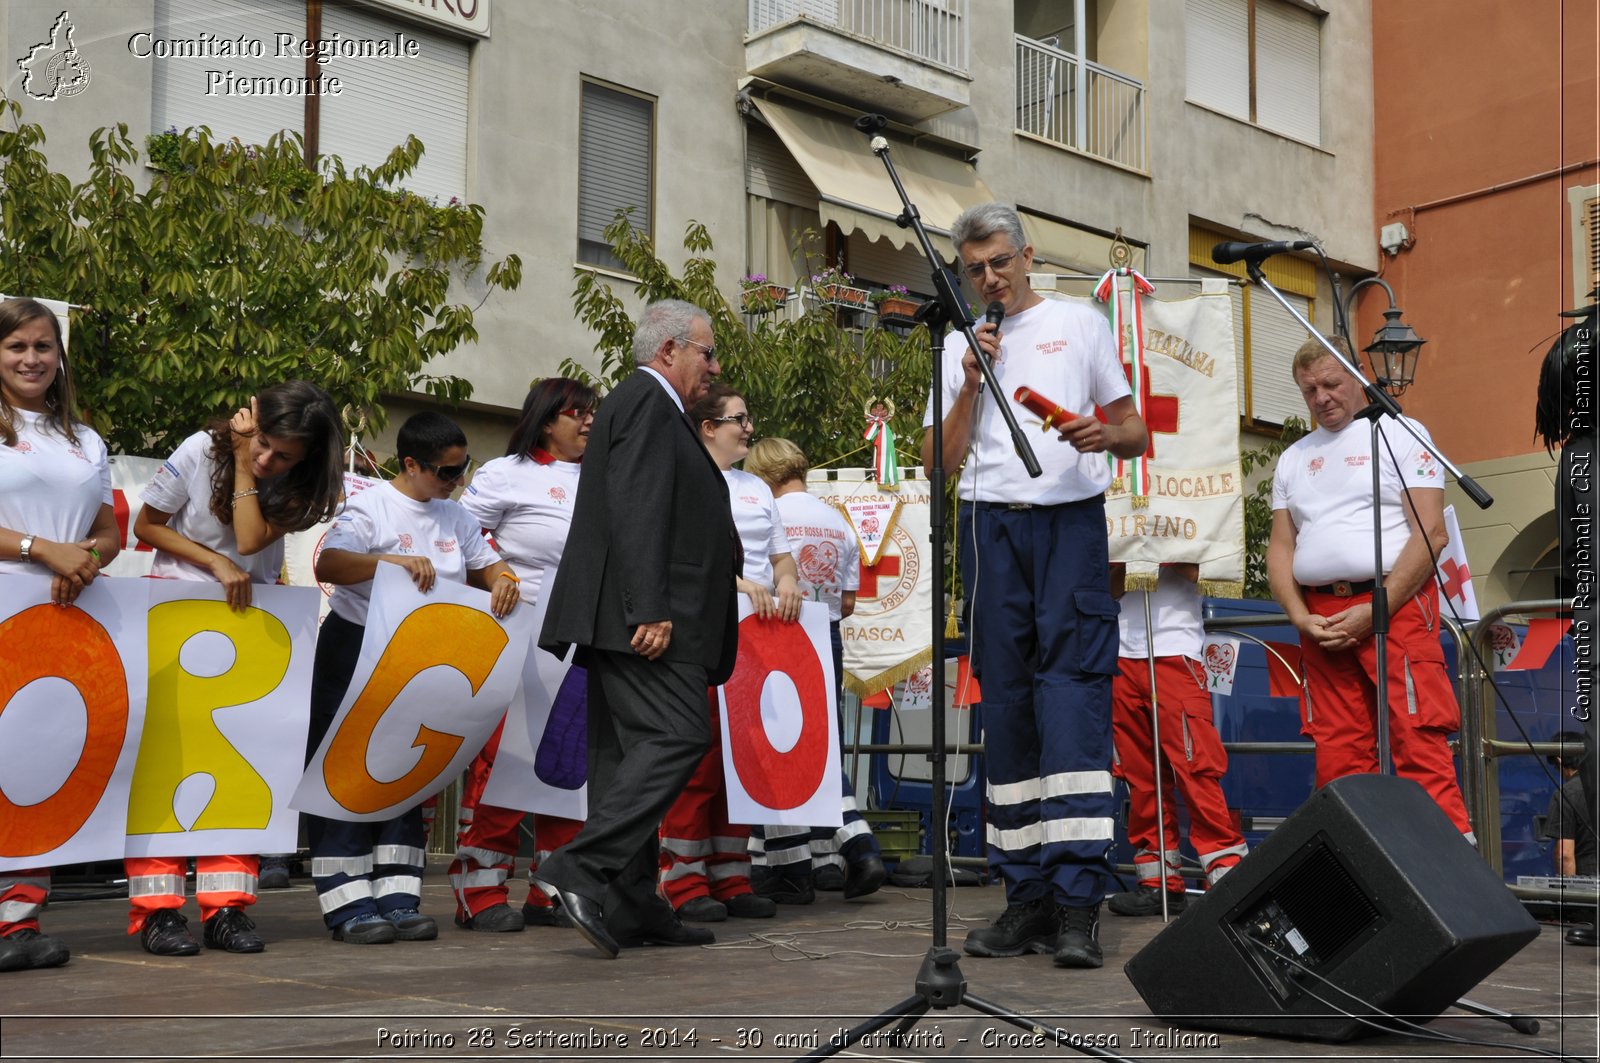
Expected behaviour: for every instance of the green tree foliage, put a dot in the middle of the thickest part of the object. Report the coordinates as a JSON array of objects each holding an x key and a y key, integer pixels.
[
  {"x": 238, "y": 268},
  {"x": 806, "y": 379},
  {"x": 1258, "y": 507}
]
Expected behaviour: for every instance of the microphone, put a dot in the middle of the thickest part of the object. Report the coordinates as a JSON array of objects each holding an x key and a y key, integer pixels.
[
  {"x": 1234, "y": 251},
  {"x": 1053, "y": 416},
  {"x": 995, "y": 313}
]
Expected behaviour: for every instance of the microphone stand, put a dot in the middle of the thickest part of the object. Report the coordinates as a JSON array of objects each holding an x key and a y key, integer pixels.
[
  {"x": 939, "y": 981},
  {"x": 1379, "y": 403}
]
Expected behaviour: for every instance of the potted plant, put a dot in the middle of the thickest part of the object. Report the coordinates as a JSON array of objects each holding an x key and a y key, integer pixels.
[
  {"x": 895, "y": 302},
  {"x": 836, "y": 287},
  {"x": 761, "y": 296}
]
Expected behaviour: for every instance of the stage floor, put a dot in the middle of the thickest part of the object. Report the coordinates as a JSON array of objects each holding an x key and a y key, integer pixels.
[{"x": 769, "y": 989}]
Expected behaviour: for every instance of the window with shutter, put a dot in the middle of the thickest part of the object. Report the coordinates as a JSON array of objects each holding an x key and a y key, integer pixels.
[
  {"x": 616, "y": 152},
  {"x": 178, "y": 91},
  {"x": 1259, "y": 61}
]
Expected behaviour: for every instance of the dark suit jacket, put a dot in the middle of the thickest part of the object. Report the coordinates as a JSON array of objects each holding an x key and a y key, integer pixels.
[{"x": 652, "y": 538}]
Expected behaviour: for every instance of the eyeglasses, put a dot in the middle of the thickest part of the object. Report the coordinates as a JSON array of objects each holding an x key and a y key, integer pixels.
[
  {"x": 577, "y": 413},
  {"x": 743, "y": 420},
  {"x": 447, "y": 473},
  {"x": 709, "y": 352},
  {"x": 997, "y": 263}
]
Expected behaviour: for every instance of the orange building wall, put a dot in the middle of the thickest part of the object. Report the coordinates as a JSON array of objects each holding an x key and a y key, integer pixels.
[{"x": 1471, "y": 95}]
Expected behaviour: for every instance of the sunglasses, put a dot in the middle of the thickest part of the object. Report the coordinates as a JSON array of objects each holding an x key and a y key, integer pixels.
[
  {"x": 447, "y": 473},
  {"x": 997, "y": 263},
  {"x": 709, "y": 352},
  {"x": 577, "y": 413}
]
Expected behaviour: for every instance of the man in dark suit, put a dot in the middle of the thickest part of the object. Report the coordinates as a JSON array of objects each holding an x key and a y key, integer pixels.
[{"x": 645, "y": 589}]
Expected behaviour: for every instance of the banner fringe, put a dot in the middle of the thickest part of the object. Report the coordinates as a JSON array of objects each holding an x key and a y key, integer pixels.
[{"x": 884, "y": 680}]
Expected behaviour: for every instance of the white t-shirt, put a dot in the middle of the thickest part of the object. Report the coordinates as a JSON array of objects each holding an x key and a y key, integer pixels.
[
  {"x": 381, "y": 520},
  {"x": 527, "y": 503},
  {"x": 825, "y": 549},
  {"x": 1064, "y": 352},
  {"x": 49, "y": 486},
  {"x": 182, "y": 487},
  {"x": 755, "y": 517},
  {"x": 1175, "y": 618},
  {"x": 1324, "y": 480}
]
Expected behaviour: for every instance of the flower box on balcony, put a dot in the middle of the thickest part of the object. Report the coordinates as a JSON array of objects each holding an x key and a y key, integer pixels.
[
  {"x": 897, "y": 311},
  {"x": 841, "y": 295},
  {"x": 764, "y": 298}
]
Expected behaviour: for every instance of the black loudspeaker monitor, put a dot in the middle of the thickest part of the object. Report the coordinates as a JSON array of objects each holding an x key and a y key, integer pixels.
[{"x": 1368, "y": 885}]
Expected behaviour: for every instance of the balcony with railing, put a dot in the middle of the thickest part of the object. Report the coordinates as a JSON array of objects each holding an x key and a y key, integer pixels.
[
  {"x": 1080, "y": 104},
  {"x": 907, "y": 58}
]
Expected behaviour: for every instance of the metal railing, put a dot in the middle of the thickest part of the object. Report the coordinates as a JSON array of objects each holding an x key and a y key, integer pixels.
[
  {"x": 1080, "y": 104},
  {"x": 930, "y": 31}
]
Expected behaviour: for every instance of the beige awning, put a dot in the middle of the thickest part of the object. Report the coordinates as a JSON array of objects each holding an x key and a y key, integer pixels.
[
  {"x": 1071, "y": 247},
  {"x": 854, "y": 186}
]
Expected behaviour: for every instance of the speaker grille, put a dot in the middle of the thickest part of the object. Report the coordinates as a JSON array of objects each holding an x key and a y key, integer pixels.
[{"x": 1324, "y": 902}]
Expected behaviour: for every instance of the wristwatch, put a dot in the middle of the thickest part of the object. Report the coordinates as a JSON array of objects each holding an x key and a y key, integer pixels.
[{"x": 25, "y": 548}]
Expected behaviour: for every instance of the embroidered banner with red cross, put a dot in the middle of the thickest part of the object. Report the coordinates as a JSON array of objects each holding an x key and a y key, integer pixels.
[
  {"x": 890, "y": 635},
  {"x": 1186, "y": 501},
  {"x": 1455, "y": 578}
]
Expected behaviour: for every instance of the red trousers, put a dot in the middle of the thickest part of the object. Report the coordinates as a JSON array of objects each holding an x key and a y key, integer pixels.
[
  {"x": 702, "y": 854},
  {"x": 1191, "y": 764},
  {"x": 22, "y": 894},
  {"x": 1339, "y": 705},
  {"x": 487, "y": 843},
  {"x": 156, "y": 882}
]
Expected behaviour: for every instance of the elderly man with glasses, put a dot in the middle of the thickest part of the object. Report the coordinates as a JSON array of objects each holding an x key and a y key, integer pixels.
[
  {"x": 1040, "y": 617},
  {"x": 645, "y": 590}
]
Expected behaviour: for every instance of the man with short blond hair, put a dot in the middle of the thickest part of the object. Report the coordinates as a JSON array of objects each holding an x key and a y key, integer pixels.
[{"x": 1320, "y": 566}]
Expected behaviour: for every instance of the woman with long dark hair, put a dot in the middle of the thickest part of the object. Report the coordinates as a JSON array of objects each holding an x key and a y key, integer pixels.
[
  {"x": 218, "y": 509},
  {"x": 525, "y": 501},
  {"x": 56, "y": 520}
]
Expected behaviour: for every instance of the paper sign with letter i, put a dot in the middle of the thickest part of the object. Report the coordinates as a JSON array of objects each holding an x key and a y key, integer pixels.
[{"x": 435, "y": 676}]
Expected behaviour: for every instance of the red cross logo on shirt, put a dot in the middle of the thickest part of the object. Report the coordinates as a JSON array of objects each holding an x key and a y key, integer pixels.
[
  {"x": 1160, "y": 411},
  {"x": 886, "y": 566},
  {"x": 1455, "y": 578}
]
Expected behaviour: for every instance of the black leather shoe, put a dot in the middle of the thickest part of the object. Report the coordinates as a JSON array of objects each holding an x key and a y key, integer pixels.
[
  {"x": 411, "y": 925},
  {"x": 673, "y": 932},
  {"x": 36, "y": 949},
  {"x": 704, "y": 909},
  {"x": 827, "y": 877},
  {"x": 13, "y": 954},
  {"x": 588, "y": 918},
  {"x": 231, "y": 930},
  {"x": 1079, "y": 942},
  {"x": 864, "y": 876},
  {"x": 749, "y": 906},
  {"x": 1581, "y": 935},
  {"x": 166, "y": 933},
  {"x": 545, "y": 915},
  {"x": 495, "y": 919}
]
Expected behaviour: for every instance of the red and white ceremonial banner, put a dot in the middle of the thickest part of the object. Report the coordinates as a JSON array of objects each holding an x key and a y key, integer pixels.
[
  {"x": 1455, "y": 578},
  {"x": 780, "y": 724},
  {"x": 890, "y": 635},
  {"x": 436, "y": 673},
  {"x": 1192, "y": 508},
  {"x": 872, "y": 517}
]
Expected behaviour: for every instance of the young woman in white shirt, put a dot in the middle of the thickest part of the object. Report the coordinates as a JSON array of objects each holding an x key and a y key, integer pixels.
[
  {"x": 56, "y": 520},
  {"x": 705, "y": 866},
  {"x": 525, "y": 501},
  {"x": 218, "y": 510},
  {"x": 828, "y": 555},
  {"x": 369, "y": 875}
]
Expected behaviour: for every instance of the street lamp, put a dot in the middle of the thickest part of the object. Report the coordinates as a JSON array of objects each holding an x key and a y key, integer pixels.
[{"x": 1392, "y": 354}]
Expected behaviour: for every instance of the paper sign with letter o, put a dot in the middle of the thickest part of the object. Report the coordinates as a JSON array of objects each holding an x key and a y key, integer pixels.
[
  {"x": 72, "y": 685},
  {"x": 780, "y": 748},
  {"x": 435, "y": 675}
]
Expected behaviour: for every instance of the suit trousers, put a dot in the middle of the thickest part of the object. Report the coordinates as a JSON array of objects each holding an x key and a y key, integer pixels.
[{"x": 648, "y": 729}]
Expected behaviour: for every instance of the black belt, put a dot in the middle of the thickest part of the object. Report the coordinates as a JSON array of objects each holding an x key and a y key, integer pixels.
[
  {"x": 1090, "y": 501},
  {"x": 1344, "y": 588}
]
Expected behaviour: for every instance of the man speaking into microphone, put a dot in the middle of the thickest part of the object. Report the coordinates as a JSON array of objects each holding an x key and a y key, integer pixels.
[{"x": 1041, "y": 622}]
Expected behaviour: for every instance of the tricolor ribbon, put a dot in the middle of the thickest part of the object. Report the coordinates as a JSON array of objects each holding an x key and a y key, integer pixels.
[
  {"x": 1130, "y": 349},
  {"x": 885, "y": 464}
]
